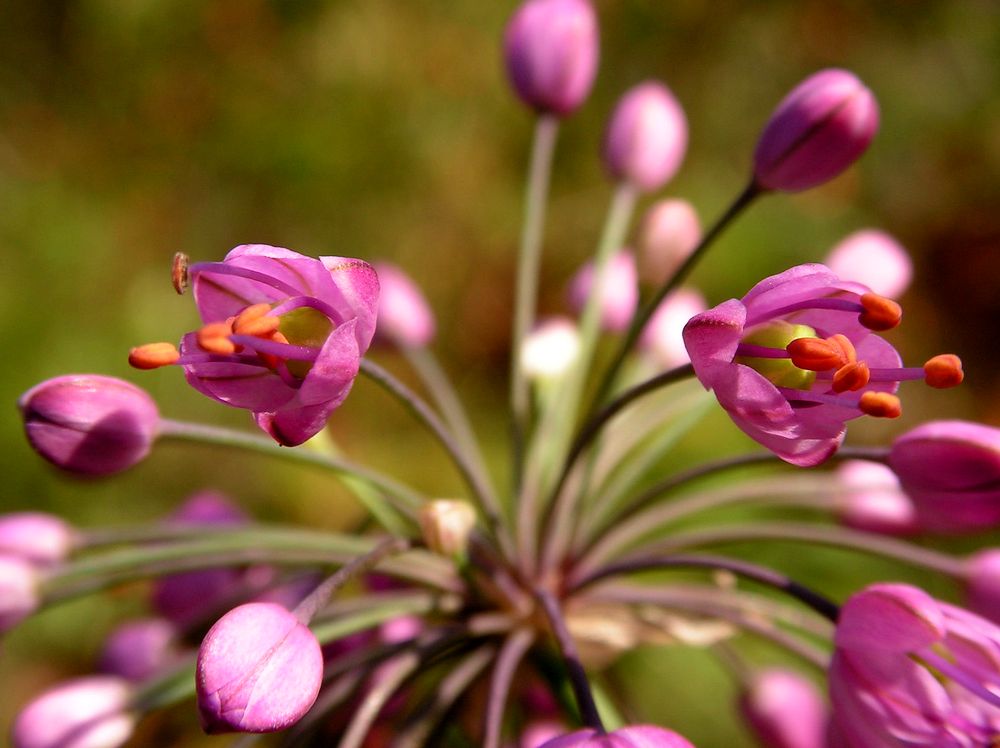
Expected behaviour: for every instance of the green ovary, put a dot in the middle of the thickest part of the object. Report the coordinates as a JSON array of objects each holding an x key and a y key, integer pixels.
[
  {"x": 307, "y": 327},
  {"x": 781, "y": 372}
]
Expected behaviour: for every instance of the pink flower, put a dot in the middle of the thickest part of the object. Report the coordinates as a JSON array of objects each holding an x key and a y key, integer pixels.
[
  {"x": 618, "y": 293},
  {"x": 818, "y": 130},
  {"x": 259, "y": 670},
  {"x": 633, "y": 736},
  {"x": 909, "y": 670},
  {"x": 795, "y": 358},
  {"x": 951, "y": 470},
  {"x": 646, "y": 138},
  {"x": 784, "y": 709},
  {"x": 874, "y": 258},
  {"x": 283, "y": 335},
  {"x": 90, "y": 424},
  {"x": 551, "y": 50},
  {"x": 404, "y": 316},
  {"x": 871, "y": 499}
]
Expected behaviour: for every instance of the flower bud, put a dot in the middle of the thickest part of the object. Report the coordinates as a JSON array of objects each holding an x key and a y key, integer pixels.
[
  {"x": 551, "y": 50},
  {"x": 817, "y": 131},
  {"x": 646, "y": 138},
  {"x": 18, "y": 591},
  {"x": 550, "y": 349},
  {"x": 618, "y": 295},
  {"x": 871, "y": 499},
  {"x": 982, "y": 583},
  {"x": 259, "y": 670},
  {"x": 137, "y": 650},
  {"x": 90, "y": 712},
  {"x": 36, "y": 537},
  {"x": 446, "y": 525},
  {"x": 670, "y": 231},
  {"x": 404, "y": 316},
  {"x": 951, "y": 470},
  {"x": 89, "y": 424},
  {"x": 785, "y": 710},
  {"x": 873, "y": 258},
  {"x": 662, "y": 338},
  {"x": 633, "y": 736}
]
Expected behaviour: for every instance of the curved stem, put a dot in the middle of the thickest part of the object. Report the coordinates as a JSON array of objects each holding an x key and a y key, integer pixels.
[
  {"x": 551, "y": 438},
  {"x": 514, "y": 648},
  {"x": 560, "y": 505},
  {"x": 476, "y": 482},
  {"x": 404, "y": 498},
  {"x": 742, "y": 201},
  {"x": 755, "y": 572},
  {"x": 574, "y": 668},
  {"x": 836, "y": 537},
  {"x": 536, "y": 193}
]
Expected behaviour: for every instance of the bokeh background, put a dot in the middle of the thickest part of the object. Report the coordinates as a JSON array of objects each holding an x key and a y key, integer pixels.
[{"x": 385, "y": 130}]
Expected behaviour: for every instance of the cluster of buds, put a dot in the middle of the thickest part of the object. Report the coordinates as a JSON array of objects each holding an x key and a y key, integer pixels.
[{"x": 469, "y": 620}]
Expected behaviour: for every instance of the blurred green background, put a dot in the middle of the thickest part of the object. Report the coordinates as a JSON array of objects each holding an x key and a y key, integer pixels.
[{"x": 385, "y": 130}]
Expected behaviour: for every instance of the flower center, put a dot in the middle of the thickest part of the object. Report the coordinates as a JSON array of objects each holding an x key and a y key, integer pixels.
[{"x": 767, "y": 341}]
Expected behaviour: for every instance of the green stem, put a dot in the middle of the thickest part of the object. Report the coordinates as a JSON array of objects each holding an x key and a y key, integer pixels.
[
  {"x": 403, "y": 498},
  {"x": 551, "y": 438},
  {"x": 477, "y": 483},
  {"x": 529, "y": 259},
  {"x": 742, "y": 201},
  {"x": 836, "y": 537}
]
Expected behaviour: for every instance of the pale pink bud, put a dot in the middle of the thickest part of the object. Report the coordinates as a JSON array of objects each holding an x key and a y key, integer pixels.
[
  {"x": 446, "y": 525},
  {"x": 551, "y": 50},
  {"x": 662, "y": 338},
  {"x": 18, "y": 590},
  {"x": 875, "y": 259},
  {"x": 982, "y": 583},
  {"x": 404, "y": 316},
  {"x": 633, "y": 736},
  {"x": 88, "y": 712},
  {"x": 670, "y": 230},
  {"x": 550, "y": 349},
  {"x": 90, "y": 424},
  {"x": 785, "y": 710},
  {"x": 259, "y": 670},
  {"x": 646, "y": 137},
  {"x": 136, "y": 650},
  {"x": 818, "y": 130},
  {"x": 871, "y": 499},
  {"x": 36, "y": 537},
  {"x": 617, "y": 296}
]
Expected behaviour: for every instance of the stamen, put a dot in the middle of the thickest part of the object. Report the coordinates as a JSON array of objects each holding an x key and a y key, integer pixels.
[
  {"x": 750, "y": 350},
  {"x": 214, "y": 338},
  {"x": 880, "y": 405},
  {"x": 826, "y": 302},
  {"x": 851, "y": 377},
  {"x": 311, "y": 302},
  {"x": 817, "y": 354},
  {"x": 879, "y": 313},
  {"x": 227, "y": 268},
  {"x": 153, "y": 355},
  {"x": 943, "y": 371},
  {"x": 800, "y": 399},
  {"x": 284, "y": 351},
  {"x": 255, "y": 321},
  {"x": 179, "y": 272}
]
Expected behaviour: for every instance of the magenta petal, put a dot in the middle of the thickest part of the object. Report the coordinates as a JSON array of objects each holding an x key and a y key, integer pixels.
[
  {"x": 250, "y": 386},
  {"x": 890, "y": 618},
  {"x": 294, "y": 426},
  {"x": 356, "y": 288},
  {"x": 711, "y": 339}
]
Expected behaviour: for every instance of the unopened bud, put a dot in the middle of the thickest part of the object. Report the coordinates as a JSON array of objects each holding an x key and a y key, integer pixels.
[
  {"x": 446, "y": 525},
  {"x": 404, "y": 316},
  {"x": 873, "y": 258},
  {"x": 670, "y": 231},
  {"x": 617, "y": 294},
  {"x": 550, "y": 349},
  {"x": 646, "y": 138},
  {"x": 36, "y": 537},
  {"x": 19, "y": 596},
  {"x": 90, "y": 712}
]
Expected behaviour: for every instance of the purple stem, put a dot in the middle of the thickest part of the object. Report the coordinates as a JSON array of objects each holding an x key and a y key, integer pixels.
[
  {"x": 227, "y": 268},
  {"x": 514, "y": 648}
]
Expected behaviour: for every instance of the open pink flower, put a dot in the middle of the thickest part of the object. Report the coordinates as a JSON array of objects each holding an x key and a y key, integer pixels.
[
  {"x": 909, "y": 670},
  {"x": 796, "y": 358},
  {"x": 283, "y": 335}
]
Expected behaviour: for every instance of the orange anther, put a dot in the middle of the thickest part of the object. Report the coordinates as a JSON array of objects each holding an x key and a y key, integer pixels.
[
  {"x": 880, "y": 405},
  {"x": 817, "y": 354},
  {"x": 153, "y": 355},
  {"x": 943, "y": 371},
  {"x": 851, "y": 377},
  {"x": 879, "y": 312},
  {"x": 179, "y": 272},
  {"x": 260, "y": 327},
  {"x": 252, "y": 312},
  {"x": 214, "y": 338}
]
